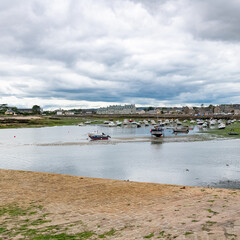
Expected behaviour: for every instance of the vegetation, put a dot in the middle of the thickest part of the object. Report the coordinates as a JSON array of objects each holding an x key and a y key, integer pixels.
[
  {"x": 36, "y": 109},
  {"x": 41, "y": 122},
  {"x": 18, "y": 222},
  {"x": 234, "y": 128}
]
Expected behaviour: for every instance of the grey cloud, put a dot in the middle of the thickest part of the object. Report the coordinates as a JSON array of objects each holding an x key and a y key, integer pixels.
[
  {"x": 216, "y": 19},
  {"x": 119, "y": 51}
]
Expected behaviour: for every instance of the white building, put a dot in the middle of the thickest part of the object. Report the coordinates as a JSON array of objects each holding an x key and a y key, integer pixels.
[{"x": 118, "y": 109}]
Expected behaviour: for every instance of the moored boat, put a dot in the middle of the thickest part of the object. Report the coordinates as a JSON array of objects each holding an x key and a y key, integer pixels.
[
  {"x": 233, "y": 133},
  {"x": 98, "y": 136},
  {"x": 221, "y": 126},
  {"x": 181, "y": 129},
  {"x": 156, "y": 131}
]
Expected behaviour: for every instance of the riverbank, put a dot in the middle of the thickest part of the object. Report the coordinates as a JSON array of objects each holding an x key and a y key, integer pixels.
[{"x": 52, "y": 206}]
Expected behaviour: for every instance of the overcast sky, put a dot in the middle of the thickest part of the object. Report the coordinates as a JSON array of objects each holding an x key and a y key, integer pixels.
[{"x": 88, "y": 53}]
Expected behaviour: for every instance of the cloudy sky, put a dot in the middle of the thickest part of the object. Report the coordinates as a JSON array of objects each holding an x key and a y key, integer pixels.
[{"x": 88, "y": 53}]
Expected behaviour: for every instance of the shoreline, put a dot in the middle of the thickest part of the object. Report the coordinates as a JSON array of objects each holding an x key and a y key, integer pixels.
[{"x": 116, "y": 209}]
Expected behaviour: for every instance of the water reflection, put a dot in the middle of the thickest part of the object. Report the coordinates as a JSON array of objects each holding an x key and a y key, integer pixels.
[{"x": 156, "y": 142}]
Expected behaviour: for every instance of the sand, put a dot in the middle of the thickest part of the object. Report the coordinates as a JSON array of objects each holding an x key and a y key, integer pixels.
[{"x": 121, "y": 209}]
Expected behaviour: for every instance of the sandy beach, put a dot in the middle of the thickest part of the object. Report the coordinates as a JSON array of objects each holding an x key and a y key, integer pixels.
[{"x": 63, "y": 205}]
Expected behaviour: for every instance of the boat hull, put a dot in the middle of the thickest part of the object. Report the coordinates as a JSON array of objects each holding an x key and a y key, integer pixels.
[
  {"x": 181, "y": 130},
  {"x": 98, "y": 136},
  {"x": 157, "y": 132}
]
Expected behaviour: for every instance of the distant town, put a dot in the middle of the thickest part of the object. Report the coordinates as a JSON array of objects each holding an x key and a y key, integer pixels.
[{"x": 211, "y": 110}]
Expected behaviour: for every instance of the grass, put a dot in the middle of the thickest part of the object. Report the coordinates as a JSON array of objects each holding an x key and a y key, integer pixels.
[
  {"x": 149, "y": 236},
  {"x": 48, "y": 122},
  {"x": 211, "y": 211},
  {"x": 18, "y": 222},
  {"x": 107, "y": 234},
  {"x": 224, "y": 132}
]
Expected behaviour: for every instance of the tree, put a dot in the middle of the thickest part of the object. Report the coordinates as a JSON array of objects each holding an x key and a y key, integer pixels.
[{"x": 36, "y": 109}]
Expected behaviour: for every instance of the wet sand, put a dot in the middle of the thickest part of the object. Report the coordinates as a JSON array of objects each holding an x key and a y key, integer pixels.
[
  {"x": 118, "y": 140},
  {"x": 121, "y": 209}
]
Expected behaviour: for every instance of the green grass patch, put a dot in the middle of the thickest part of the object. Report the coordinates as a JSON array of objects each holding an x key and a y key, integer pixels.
[
  {"x": 107, "y": 234},
  {"x": 211, "y": 211},
  {"x": 149, "y": 236},
  {"x": 64, "y": 236},
  {"x": 39, "y": 222},
  {"x": 13, "y": 211}
]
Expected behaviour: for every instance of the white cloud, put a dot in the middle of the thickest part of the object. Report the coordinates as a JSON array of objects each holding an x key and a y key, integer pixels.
[{"x": 93, "y": 53}]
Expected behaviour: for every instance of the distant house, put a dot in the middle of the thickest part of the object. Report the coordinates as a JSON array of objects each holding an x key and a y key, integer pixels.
[
  {"x": 10, "y": 112},
  {"x": 25, "y": 110},
  {"x": 118, "y": 109},
  {"x": 236, "y": 111},
  {"x": 140, "y": 112},
  {"x": 69, "y": 113},
  {"x": 59, "y": 112}
]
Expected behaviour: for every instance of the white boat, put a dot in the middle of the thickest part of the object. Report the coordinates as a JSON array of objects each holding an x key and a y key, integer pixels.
[
  {"x": 125, "y": 122},
  {"x": 145, "y": 122},
  {"x": 179, "y": 123},
  {"x": 153, "y": 122},
  {"x": 192, "y": 121},
  {"x": 167, "y": 122},
  {"x": 221, "y": 126},
  {"x": 181, "y": 130},
  {"x": 81, "y": 124},
  {"x": 200, "y": 122},
  {"x": 118, "y": 123},
  {"x": 213, "y": 122},
  {"x": 112, "y": 124},
  {"x": 205, "y": 124}
]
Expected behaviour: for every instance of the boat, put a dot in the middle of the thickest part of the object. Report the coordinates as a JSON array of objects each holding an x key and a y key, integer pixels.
[
  {"x": 205, "y": 125},
  {"x": 153, "y": 122},
  {"x": 98, "y": 136},
  {"x": 81, "y": 124},
  {"x": 138, "y": 125},
  {"x": 125, "y": 122},
  {"x": 233, "y": 133},
  {"x": 200, "y": 122},
  {"x": 181, "y": 129},
  {"x": 221, "y": 126},
  {"x": 213, "y": 122},
  {"x": 118, "y": 123},
  {"x": 112, "y": 124},
  {"x": 156, "y": 131}
]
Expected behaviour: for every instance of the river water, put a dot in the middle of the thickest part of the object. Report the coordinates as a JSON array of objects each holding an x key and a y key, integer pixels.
[{"x": 130, "y": 154}]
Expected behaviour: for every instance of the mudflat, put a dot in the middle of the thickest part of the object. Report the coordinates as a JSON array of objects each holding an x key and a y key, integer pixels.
[{"x": 53, "y": 206}]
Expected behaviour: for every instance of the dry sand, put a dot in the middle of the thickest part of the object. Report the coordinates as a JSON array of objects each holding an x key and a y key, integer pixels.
[{"x": 131, "y": 210}]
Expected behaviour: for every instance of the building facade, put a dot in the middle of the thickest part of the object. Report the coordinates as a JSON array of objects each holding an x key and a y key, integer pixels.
[{"x": 118, "y": 109}]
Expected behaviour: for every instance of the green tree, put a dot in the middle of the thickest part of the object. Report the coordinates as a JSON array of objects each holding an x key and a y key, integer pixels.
[{"x": 36, "y": 109}]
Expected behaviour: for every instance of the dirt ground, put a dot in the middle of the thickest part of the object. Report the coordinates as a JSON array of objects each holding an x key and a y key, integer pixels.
[{"x": 88, "y": 208}]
